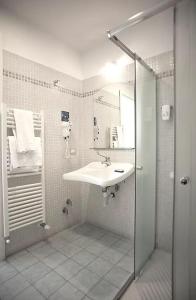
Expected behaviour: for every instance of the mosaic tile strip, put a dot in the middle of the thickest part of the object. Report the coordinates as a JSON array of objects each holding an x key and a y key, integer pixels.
[
  {"x": 107, "y": 104},
  {"x": 165, "y": 74},
  {"x": 28, "y": 79},
  {"x": 61, "y": 89},
  {"x": 90, "y": 93}
]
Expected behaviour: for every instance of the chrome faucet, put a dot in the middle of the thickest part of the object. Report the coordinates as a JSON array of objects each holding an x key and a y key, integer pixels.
[{"x": 107, "y": 160}]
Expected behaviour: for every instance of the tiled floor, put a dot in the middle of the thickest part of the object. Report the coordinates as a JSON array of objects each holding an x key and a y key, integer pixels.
[
  {"x": 82, "y": 263},
  {"x": 155, "y": 280}
]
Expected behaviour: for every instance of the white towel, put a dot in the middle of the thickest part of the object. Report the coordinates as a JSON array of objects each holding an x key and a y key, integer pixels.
[
  {"x": 24, "y": 130},
  {"x": 28, "y": 161}
]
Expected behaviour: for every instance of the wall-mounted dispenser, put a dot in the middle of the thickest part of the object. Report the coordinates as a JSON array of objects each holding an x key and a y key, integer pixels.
[
  {"x": 66, "y": 130},
  {"x": 166, "y": 112},
  {"x": 95, "y": 131}
]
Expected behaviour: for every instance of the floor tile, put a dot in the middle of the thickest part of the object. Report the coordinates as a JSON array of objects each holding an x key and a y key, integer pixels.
[
  {"x": 155, "y": 281},
  {"x": 117, "y": 276},
  {"x": 83, "y": 229},
  {"x": 130, "y": 252},
  {"x": 49, "y": 284},
  {"x": 68, "y": 269},
  {"x": 85, "y": 280},
  {"x": 84, "y": 258},
  {"x": 103, "y": 290},
  {"x": 37, "y": 245},
  {"x": 7, "y": 271},
  {"x": 42, "y": 252},
  {"x": 69, "y": 235},
  {"x": 127, "y": 263},
  {"x": 36, "y": 272},
  {"x": 57, "y": 242},
  {"x": 54, "y": 259},
  {"x": 108, "y": 239},
  {"x": 5, "y": 294},
  {"x": 83, "y": 242},
  {"x": 129, "y": 242},
  {"x": 69, "y": 265},
  {"x": 18, "y": 254},
  {"x": 12, "y": 287},
  {"x": 22, "y": 261},
  {"x": 29, "y": 293},
  {"x": 96, "y": 234},
  {"x": 96, "y": 248},
  {"x": 70, "y": 250},
  {"x": 67, "y": 292},
  {"x": 100, "y": 266},
  {"x": 122, "y": 246},
  {"x": 112, "y": 256}
]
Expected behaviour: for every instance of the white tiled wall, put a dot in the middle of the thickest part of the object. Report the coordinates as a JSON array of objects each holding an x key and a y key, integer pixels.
[
  {"x": 25, "y": 95},
  {"x": 87, "y": 200},
  {"x": 163, "y": 66},
  {"x": 118, "y": 216},
  {"x": 165, "y": 164}
]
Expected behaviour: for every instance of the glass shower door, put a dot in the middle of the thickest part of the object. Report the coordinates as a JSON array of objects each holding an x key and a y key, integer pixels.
[{"x": 145, "y": 165}]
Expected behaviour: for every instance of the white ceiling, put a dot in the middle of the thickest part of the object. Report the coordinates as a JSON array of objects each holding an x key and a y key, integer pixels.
[{"x": 80, "y": 24}]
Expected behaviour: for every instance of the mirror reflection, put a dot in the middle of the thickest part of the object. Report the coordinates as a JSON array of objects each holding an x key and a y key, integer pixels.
[{"x": 114, "y": 124}]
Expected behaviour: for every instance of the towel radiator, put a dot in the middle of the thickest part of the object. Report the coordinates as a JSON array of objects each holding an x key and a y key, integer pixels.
[{"x": 23, "y": 204}]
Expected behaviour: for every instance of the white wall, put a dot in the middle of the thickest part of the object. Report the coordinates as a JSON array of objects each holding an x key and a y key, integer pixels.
[
  {"x": 2, "y": 244},
  {"x": 148, "y": 39},
  {"x": 118, "y": 216},
  {"x": 29, "y": 42}
]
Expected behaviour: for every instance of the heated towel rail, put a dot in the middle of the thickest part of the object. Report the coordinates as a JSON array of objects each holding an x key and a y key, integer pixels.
[{"x": 23, "y": 191}]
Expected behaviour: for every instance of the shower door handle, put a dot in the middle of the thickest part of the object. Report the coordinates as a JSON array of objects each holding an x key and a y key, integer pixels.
[{"x": 184, "y": 180}]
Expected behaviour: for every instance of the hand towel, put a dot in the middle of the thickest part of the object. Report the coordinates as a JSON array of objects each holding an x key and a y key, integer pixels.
[
  {"x": 24, "y": 130},
  {"x": 28, "y": 161}
]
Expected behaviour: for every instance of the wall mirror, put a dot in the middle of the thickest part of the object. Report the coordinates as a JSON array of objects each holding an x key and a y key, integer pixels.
[{"x": 114, "y": 122}]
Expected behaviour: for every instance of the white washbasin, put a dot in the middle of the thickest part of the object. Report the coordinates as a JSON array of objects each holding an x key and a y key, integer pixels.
[{"x": 100, "y": 174}]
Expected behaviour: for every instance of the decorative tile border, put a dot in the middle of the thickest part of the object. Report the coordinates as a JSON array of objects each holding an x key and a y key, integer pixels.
[
  {"x": 107, "y": 104},
  {"x": 48, "y": 85},
  {"x": 90, "y": 93},
  {"x": 41, "y": 83},
  {"x": 165, "y": 74},
  {"x": 25, "y": 78}
]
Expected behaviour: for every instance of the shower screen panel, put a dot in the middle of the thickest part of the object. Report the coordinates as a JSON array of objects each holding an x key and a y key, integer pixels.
[{"x": 145, "y": 90}]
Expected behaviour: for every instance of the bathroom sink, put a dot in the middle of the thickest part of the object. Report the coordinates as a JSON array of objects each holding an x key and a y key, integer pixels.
[{"x": 101, "y": 174}]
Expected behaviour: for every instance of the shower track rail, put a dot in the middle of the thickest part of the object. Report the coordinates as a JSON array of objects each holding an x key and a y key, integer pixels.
[{"x": 23, "y": 204}]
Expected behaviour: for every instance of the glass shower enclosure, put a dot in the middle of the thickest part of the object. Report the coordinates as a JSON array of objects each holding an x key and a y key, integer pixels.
[
  {"x": 145, "y": 164},
  {"x": 145, "y": 158}
]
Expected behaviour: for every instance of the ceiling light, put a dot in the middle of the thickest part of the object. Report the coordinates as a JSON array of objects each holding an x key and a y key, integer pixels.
[
  {"x": 123, "y": 61},
  {"x": 111, "y": 71}
]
